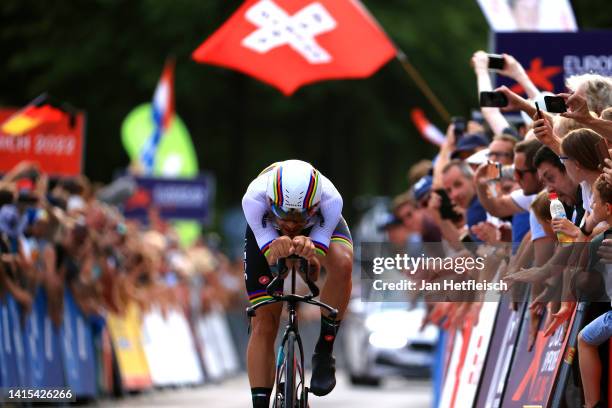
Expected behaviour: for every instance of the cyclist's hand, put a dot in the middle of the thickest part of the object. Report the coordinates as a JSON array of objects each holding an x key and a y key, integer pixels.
[
  {"x": 281, "y": 247},
  {"x": 303, "y": 247}
]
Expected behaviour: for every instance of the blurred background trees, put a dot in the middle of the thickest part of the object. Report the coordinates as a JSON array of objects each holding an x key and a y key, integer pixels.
[{"x": 106, "y": 56}]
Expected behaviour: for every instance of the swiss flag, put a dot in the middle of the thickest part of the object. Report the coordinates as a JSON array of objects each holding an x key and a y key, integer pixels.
[{"x": 290, "y": 43}]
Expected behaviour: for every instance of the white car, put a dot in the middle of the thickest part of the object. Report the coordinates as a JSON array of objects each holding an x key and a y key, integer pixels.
[{"x": 384, "y": 338}]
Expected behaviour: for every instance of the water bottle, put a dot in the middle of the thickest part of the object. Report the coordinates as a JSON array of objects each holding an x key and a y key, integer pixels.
[{"x": 557, "y": 211}]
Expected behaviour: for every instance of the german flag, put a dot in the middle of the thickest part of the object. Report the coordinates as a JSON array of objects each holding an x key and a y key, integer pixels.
[{"x": 34, "y": 114}]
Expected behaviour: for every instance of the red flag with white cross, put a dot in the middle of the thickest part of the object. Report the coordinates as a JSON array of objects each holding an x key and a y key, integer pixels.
[{"x": 290, "y": 43}]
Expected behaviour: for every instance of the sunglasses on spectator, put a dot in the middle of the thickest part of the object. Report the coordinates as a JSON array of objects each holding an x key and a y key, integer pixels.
[
  {"x": 500, "y": 154},
  {"x": 521, "y": 172}
]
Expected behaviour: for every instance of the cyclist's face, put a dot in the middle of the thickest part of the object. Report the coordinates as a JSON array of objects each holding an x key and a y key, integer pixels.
[{"x": 291, "y": 226}]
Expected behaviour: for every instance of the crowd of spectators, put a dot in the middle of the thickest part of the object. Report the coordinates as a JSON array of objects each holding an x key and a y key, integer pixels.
[
  {"x": 489, "y": 191},
  {"x": 56, "y": 236}
]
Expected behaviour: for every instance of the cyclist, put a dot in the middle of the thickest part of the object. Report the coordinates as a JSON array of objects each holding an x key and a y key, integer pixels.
[{"x": 291, "y": 208}]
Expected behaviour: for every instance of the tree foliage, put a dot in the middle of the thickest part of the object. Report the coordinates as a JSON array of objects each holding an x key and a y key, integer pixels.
[{"x": 105, "y": 57}]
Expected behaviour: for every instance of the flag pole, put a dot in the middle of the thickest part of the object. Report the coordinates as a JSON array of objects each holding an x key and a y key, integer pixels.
[
  {"x": 409, "y": 68},
  {"x": 422, "y": 85}
]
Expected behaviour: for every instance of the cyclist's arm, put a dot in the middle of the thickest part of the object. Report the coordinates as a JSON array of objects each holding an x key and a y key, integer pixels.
[
  {"x": 254, "y": 205},
  {"x": 331, "y": 211}
]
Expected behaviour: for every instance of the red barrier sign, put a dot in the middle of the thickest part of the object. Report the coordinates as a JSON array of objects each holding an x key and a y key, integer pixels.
[{"x": 57, "y": 147}]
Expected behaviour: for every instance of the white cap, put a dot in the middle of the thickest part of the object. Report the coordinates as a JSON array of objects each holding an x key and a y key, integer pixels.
[{"x": 478, "y": 158}]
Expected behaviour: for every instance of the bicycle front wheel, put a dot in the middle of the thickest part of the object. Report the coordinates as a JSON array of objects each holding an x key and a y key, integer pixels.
[{"x": 290, "y": 371}]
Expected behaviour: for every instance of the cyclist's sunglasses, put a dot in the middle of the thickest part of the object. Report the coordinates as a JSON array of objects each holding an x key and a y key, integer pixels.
[{"x": 301, "y": 215}]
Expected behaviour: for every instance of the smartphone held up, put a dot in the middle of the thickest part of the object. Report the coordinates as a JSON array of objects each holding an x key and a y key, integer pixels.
[
  {"x": 459, "y": 125},
  {"x": 447, "y": 212},
  {"x": 493, "y": 99},
  {"x": 496, "y": 61},
  {"x": 497, "y": 171},
  {"x": 555, "y": 104}
]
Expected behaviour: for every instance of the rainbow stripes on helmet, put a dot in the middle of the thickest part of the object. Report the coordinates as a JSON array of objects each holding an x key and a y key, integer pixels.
[
  {"x": 278, "y": 187},
  {"x": 312, "y": 189}
]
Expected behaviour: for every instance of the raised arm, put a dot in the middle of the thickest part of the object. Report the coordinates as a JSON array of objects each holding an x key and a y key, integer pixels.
[
  {"x": 493, "y": 116},
  {"x": 579, "y": 111},
  {"x": 501, "y": 206},
  {"x": 514, "y": 70}
]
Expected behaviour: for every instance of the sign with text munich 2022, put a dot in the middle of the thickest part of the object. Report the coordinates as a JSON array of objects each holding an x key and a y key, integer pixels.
[
  {"x": 175, "y": 199},
  {"x": 549, "y": 58},
  {"x": 57, "y": 147}
]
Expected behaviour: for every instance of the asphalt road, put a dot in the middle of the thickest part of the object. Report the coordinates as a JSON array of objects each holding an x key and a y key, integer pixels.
[{"x": 234, "y": 393}]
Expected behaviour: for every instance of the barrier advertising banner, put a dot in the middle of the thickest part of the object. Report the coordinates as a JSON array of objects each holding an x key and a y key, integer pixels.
[
  {"x": 16, "y": 337},
  {"x": 468, "y": 359},
  {"x": 126, "y": 337},
  {"x": 78, "y": 353},
  {"x": 182, "y": 366},
  {"x": 34, "y": 340},
  {"x": 533, "y": 373},
  {"x": 57, "y": 147},
  {"x": 503, "y": 343}
]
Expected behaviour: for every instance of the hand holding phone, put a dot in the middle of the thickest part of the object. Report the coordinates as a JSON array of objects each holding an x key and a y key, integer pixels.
[
  {"x": 538, "y": 112},
  {"x": 460, "y": 126},
  {"x": 447, "y": 212},
  {"x": 493, "y": 171},
  {"x": 496, "y": 61},
  {"x": 555, "y": 104},
  {"x": 493, "y": 99}
]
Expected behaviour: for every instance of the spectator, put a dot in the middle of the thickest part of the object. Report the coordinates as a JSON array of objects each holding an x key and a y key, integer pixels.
[
  {"x": 582, "y": 164},
  {"x": 501, "y": 149},
  {"x": 468, "y": 145},
  {"x": 457, "y": 178},
  {"x": 418, "y": 170},
  {"x": 596, "y": 89},
  {"x": 599, "y": 330}
]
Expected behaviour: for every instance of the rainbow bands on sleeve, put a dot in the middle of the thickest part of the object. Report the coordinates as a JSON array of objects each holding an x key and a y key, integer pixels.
[
  {"x": 320, "y": 248},
  {"x": 342, "y": 239},
  {"x": 312, "y": 188},
  {"x": 265, "y": 250},
  {"x": 258, "y": 297}
]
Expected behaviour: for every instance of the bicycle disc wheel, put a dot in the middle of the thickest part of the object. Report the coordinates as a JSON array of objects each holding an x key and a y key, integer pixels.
[{"x": 290, "y": 368}]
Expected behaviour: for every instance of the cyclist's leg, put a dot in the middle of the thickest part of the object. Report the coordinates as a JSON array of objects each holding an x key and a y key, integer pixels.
[
  {"x": 264, "y": 326},
  {"x": 338, "y": 264},
  {"x": 336, "y": 292},
  {"x": 260, "y": 350}
]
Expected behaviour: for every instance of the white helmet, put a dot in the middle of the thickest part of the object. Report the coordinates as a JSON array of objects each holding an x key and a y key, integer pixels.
[{"x": 293, "y": 189}]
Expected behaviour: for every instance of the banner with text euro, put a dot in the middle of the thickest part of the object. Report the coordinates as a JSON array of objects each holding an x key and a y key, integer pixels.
[{"x": 550, "y": 58}]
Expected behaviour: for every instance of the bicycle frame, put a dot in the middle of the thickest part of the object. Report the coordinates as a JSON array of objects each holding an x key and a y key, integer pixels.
[{"x": 291, "y": 333}]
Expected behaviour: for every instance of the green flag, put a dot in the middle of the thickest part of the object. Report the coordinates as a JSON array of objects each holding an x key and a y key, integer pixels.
[{"x": 175, "y": 156}]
